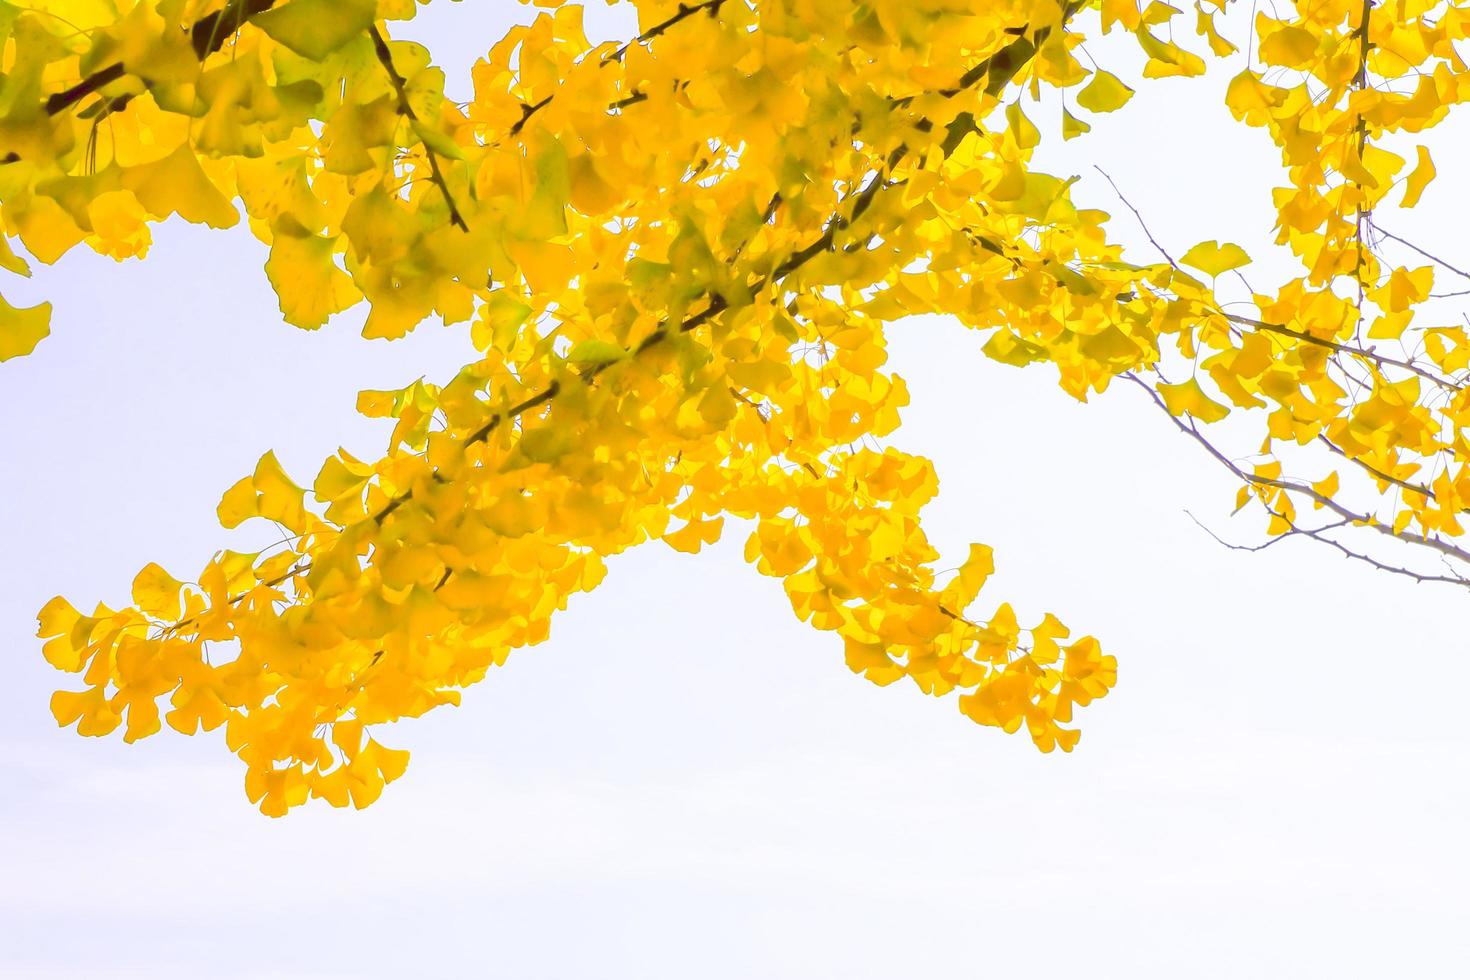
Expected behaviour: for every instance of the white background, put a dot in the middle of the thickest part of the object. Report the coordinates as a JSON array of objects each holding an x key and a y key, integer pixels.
[{"x": 686, "y": 782}]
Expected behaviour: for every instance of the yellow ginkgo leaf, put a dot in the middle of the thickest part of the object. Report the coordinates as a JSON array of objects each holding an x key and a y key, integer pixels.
[
  {"x": 1289, "y": 47},
  {"x": 1189, "y": 398},
  {"x": 595, "y": 351},
  {"x": 267, "y": 493},
  {"x": 1418, "y": 178},
  {"x": 1167, "y": 59},
  {"x": 970, "y": 578},
  {"x": 695, "y": 535},
  {"x": 1214, "y": 258},
  {"x": 1022, "y": 129},
  {"x": 1327, "y": 486},
  {"x": 590, "y": 192},
  {"x": 316, "y": 28},
  {"x": 1205, "y": 26},
  {"x": 306, "y": 279},
  {"x": 280, "y": 499},
  {"x": 340, "y": 475},
  {"x": 22, "y": 329},
  {"x": 156, "y": 592},
  {"x": 177, "y": 184},
  {"x": 238, "y": 504},
  {"x": 1072, "y": 127},
  {"x": 10, "y": 261},
  {"x": 1105, "y": 93},
  {"x": 1251, "y": 100},
  {"x": 1405, "y": 288}
]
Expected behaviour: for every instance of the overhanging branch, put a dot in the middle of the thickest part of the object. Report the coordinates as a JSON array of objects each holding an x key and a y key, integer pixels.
[
  {"x": 1305, "y": 490},
  {"x": 207, "y": 35}
]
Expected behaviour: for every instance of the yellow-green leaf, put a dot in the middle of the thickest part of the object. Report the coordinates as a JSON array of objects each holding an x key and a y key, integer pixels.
[
  {"x": 596, "y": 352},
  {"x": 316, "y": 28}
]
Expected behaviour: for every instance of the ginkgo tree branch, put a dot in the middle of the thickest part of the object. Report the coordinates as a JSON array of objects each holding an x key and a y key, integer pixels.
[
  {"x": 685, "y": 11},
  {"x": 999, "y": 70},
  {"x": 206, "y": 34},
  {"x": 631, "y": 199},
  {"x": 1138, "y": 215},
  {"x": 1005, "y": 64},
  {"x": 1321, "y": 536},
  {"x": 1366, "y": 353},
  {"x": 1374, "y": 471},
  {"x": 1360, "y": 81},
  {"x": 1293, "y": 486},
  {"x": 1316, "y": 534},
  {"x": 405, "y": 109},
  {"x": 1008, "y": 64},
  {"x": 1415, "y": 248}
]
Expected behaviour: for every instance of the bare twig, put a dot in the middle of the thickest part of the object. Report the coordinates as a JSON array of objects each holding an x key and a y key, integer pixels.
[
  {"x": 1433, "y": 258},
  {"x": 1316, "y": 534},
  {"x": 1141, "y": 223},
  {"x": 1247, "y": 547}
]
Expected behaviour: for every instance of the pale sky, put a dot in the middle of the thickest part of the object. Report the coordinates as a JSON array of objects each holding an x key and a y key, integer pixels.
[{"x": 687, "y": 782}]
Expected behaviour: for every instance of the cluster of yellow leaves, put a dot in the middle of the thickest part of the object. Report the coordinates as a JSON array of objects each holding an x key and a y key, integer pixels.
[
  {"x": 678, "y": 257},
  {"x": 1343, "y": 357}
]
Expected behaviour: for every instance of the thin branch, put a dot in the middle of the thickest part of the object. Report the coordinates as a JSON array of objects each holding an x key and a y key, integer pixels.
[
  {"x": 527, "y": 111},
  {"x": 1375, "y": 471},
  {"x": 281, "y": 579},
  {"x": 1360, "y": 81},
  {"x": 1316, "y": 535},
  {"x": 1433, "y": 258},
  {"x": 1365, "y": 520},
  {"x": 1264, "y": 544},
  {"x": 1141, "y": 223},
  {"x": 205, "y": 35},
  {"x": 684, "y": 12},
  {"x": 1363, "y": 352},
  {"x": 1319, "y": 534},
  {"x": 61, "y": 101},
  {"x": 385, "y": 57}
]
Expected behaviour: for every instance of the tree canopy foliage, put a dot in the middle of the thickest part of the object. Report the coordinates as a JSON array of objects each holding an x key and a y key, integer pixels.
[{"x": 678, "y": 257}]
